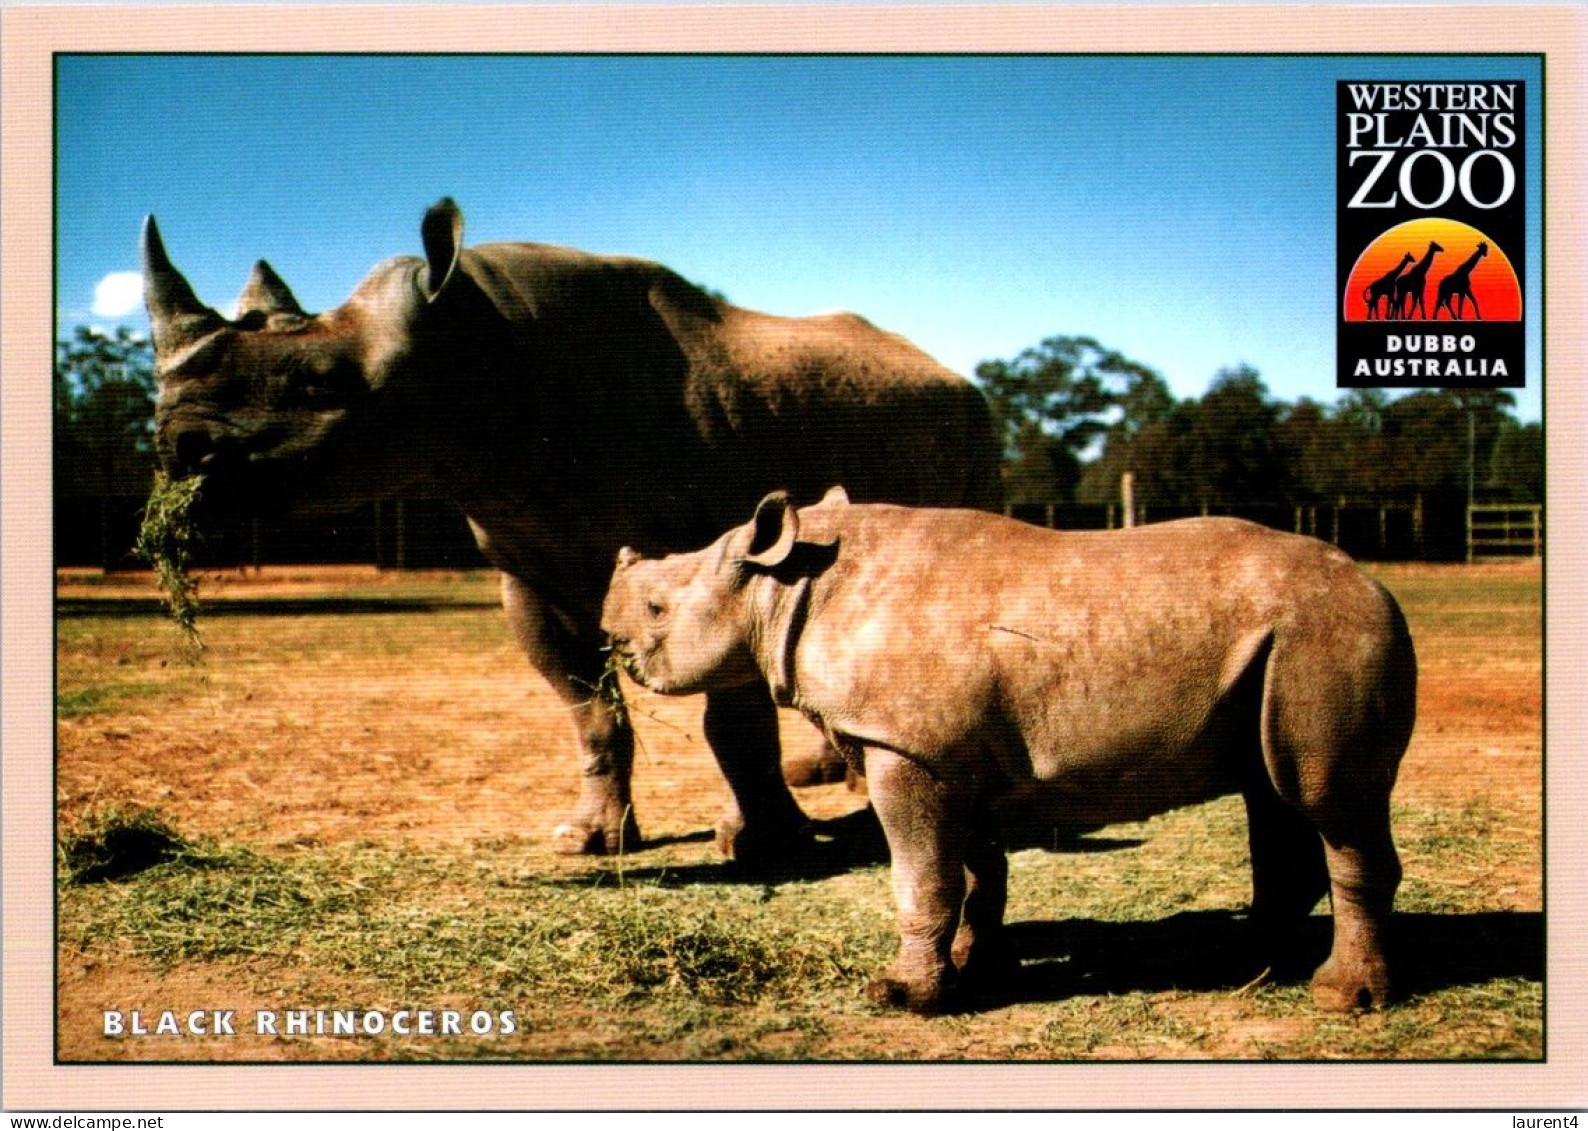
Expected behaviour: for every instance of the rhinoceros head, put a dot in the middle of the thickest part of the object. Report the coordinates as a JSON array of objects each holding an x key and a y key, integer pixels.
[
  {"x": 280, "y": 409},
  {"x": 686, "y": 622}
]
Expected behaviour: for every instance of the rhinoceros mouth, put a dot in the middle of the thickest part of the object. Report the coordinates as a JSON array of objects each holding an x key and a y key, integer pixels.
[
  {"x": 257, "y": 485},
  {"x": 633, "y": 665}
]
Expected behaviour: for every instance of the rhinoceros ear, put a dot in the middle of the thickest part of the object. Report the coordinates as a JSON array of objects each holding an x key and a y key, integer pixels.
[
  {"x": 266, "y": 294},
  {"x": 176, "y": 316},
  {"x": 773, "y": 531},
  {"x": 836, "y": 495},
  {"x": 442, "y": 233},
  {"x": 627, "y": 556}
]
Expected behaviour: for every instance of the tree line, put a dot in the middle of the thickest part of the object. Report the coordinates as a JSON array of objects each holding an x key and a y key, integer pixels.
[
  {"x": 1073, "y": 414},
  {"x": 104, "y": 413}
]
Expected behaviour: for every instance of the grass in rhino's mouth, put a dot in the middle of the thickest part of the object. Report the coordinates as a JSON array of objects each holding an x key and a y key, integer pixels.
[
  {"x": 606, "y": 690},
  {"x": 166, "y": 541}
]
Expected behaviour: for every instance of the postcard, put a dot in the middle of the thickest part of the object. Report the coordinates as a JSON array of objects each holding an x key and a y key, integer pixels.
[{"x": 731, "y": 557}]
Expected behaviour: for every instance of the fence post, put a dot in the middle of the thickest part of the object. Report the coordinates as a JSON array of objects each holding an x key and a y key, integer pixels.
[
  {"x": 402, "y": 534},
  {"x": 105, "y": 563},
  {"x": 1127, "y": 498}
]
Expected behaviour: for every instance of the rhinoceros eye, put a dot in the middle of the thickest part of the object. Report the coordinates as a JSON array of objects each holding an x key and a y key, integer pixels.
[
  {"x": 655, "y": 609},
  {"x": 314, "y": 386}
]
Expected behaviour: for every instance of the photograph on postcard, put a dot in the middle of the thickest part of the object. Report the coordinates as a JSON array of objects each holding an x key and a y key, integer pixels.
[{"x": 812, "y": 558}]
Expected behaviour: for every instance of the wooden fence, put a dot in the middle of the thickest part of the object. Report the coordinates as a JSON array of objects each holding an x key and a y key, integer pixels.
[
  {"x": 431, "y": 534},
  {"x": 1504, "y": 532},
  {"x": 1370, "y": 531}
]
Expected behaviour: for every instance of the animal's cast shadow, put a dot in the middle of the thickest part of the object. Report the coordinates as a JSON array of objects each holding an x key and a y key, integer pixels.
[
  {"x": 1197, "y": 951},
  {"x": 838, "y": 845},
  {"x": 1212, "y": 951}
]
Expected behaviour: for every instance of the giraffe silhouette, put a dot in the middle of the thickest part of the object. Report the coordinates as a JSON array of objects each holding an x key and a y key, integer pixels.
[
  {"x": 1458, "y": 286},
  {"x": 1383, "y": 288},
  {"x": 1410, "y": 286}
]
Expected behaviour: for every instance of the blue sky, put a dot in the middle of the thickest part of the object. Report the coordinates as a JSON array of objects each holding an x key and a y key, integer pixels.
[{"x": 1178, "y": 209}]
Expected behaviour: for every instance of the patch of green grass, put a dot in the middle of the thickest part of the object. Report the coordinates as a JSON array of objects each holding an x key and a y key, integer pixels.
[
  {"x": 713, "y": 970},
  {"x": 101, "y": 698},
  {"x": 1469, "y": 617},
  {"x": 410, "y": 925}
]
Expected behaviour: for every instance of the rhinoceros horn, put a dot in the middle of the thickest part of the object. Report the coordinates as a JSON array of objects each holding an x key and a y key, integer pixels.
[
  {"x": 266, "y": 294},
  {"x": 176, "y": 316},
  {"x": 442, "y": 233}
]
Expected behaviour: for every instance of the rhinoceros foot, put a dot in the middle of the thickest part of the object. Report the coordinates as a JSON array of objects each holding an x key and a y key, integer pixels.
[
  {"x": 765, "y": 848},
  {"x": 1349, "y": 986},
  {"x": 609, "y": 835},
  {"x": 930, "y": 997}
]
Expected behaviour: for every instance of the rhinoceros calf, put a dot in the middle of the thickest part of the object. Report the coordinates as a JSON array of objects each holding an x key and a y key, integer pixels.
[
  {"x": 568, "y": 404},
  {"x": 978, "y": 668}
]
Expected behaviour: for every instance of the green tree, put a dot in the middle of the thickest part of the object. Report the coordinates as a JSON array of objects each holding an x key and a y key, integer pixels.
[
  {"x": 1233, "y": 452},
  {"x": 1436, "y": 439},
  {"x": 1516, "y": 466},
  {"x": 1336, "y": 454},
  {"x": 104, "y": 413},
  {"x": 1053, "y": 403},
  {"x": 1155, "y": 455}
]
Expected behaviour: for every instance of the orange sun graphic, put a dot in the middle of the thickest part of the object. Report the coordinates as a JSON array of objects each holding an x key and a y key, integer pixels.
[{"x": 1467, "y": 277}]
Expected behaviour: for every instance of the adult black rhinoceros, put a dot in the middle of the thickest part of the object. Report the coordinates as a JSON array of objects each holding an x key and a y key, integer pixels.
[{"x": 569, "y": 404}]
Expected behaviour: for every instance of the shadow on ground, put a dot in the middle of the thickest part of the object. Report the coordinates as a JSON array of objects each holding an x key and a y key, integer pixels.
[
  {"x": 1213, "y": 950},
  {"x": 838, "y": 845}
]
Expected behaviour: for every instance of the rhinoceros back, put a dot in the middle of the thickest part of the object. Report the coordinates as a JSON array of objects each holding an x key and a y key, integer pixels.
[
  {"x": 809, "y": 403},
  {"x": 741, "y": 401}
]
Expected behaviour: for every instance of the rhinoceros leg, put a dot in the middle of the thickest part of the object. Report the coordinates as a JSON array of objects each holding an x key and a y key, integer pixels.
[
  {"x": 1289, "y": 875},
  {"x": 981, "y": 947},
  {"x": 763, "y": 826},
  {"x": 927, "y": 840},
  {"x": 574, "y": 665},
  {"x": 1332, "y": 746},
  {"x": 1363, "y": 875}
]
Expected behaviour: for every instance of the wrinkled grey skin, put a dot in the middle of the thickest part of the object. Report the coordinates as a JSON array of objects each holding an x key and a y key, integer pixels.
[
  {"x": 568, "y": 404},
  {"x": 982, "y": 672}
]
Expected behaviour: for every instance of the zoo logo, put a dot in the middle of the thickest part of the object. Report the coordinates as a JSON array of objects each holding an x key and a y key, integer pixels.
[
  {"x": 1431, "y": 185},
  {"x": 1424, "y": 270}
]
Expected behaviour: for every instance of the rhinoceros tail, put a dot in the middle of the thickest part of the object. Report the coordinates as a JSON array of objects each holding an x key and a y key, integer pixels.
[{"x": 1339, "y": 703}]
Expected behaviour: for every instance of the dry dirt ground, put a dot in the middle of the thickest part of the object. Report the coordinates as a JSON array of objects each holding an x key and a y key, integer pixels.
[
  {"x": 377, "y": 735},
  {"x": 443, "y": 736}
]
